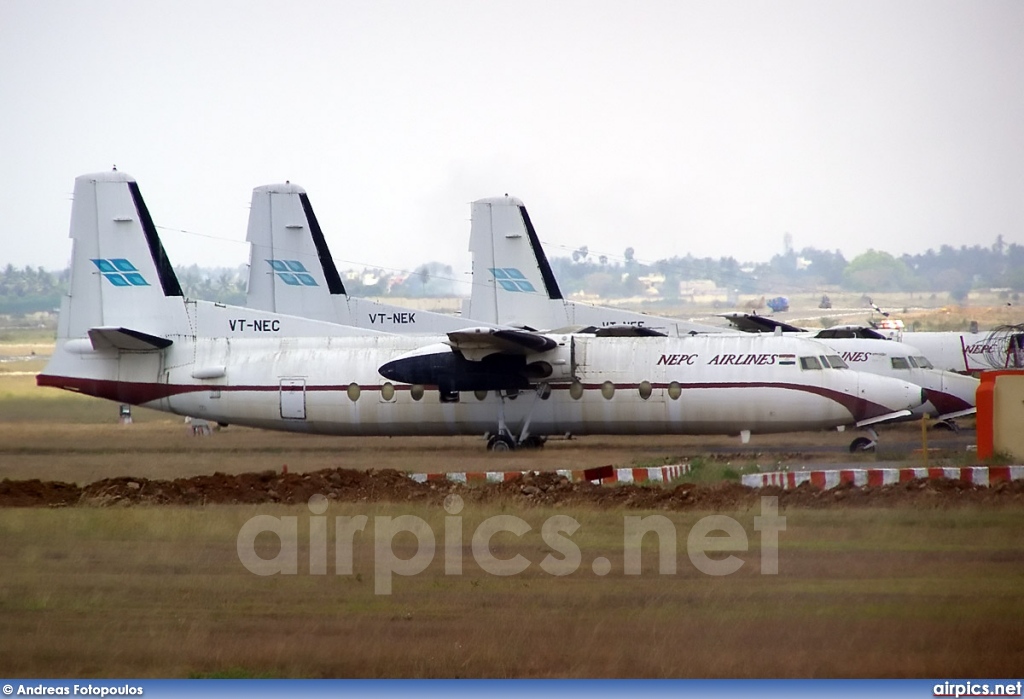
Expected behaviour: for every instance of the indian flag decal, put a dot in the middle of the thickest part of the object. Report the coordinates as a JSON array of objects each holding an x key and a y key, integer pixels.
[{"x": 787, "y": 359}]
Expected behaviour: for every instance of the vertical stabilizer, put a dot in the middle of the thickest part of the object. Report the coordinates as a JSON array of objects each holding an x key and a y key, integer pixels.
[
  {"x": 512, "y": 279},
  {"x": 120, "y": 274},
  {"x": 290, "y": 268},
  {"x": 513, "y": 282}
]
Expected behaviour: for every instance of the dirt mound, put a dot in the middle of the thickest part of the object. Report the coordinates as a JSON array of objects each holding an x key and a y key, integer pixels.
[
  {"x": 37, "y": 493},
  {"x": 544, "y": 488}
]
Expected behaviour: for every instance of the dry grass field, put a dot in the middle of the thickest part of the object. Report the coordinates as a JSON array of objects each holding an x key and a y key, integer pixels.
[
  {"x": 110, "y": 592},
  {"x": 160, "y": 591}
]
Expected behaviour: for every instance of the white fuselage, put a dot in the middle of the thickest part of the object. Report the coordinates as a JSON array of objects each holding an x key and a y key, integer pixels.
[{"x": 331, "y": 385}]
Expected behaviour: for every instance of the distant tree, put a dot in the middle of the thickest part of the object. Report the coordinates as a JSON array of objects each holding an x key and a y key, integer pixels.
[{"x": 876, "y": 271}]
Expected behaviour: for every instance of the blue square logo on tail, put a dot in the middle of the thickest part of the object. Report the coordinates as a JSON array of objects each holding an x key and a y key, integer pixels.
[
  {"x": 292, "y": 272},
  {"x": 511, "y": 279},
  {"x": 123, "y": 265},
  {"x": 135, "y": 279},
  {"x": 117, "y": 280},
  {"x": 120, "y": 272}
]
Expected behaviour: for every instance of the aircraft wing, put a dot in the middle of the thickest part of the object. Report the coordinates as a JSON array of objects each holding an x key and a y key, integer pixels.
[
  {"x": 883, "y": 418},
  {"x": 622, "y": 331},
  {"x": 753, "y": 323},
  {"x": 956, "y": 414},
  {"x": 126, "y": 339},
  {"x": 474, "y": 342}
]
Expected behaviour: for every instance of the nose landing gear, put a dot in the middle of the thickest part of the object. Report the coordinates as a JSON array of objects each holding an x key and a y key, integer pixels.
[{"x": 864, "y": 444}]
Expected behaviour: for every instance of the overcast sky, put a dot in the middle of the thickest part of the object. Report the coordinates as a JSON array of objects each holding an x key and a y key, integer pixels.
[{"x": 675, "y": 127}]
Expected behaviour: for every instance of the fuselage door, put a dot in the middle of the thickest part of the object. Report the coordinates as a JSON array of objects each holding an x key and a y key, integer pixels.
[{"x": 293, "y": 399}]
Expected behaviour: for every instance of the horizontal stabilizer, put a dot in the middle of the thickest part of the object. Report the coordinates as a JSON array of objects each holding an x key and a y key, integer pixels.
[
  {"x": 883, "y": 418},
  {"x": 125, "y": 339}
]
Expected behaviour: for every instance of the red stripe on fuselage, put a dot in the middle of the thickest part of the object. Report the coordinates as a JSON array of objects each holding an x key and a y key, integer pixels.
[{"x": 138, "y": 393}]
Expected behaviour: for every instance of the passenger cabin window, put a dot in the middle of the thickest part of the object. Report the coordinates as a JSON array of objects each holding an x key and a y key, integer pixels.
[
  {"x": 837, "y": 362},
  {"x": 645, "y": 389},
  {"x": 900, "y": 363},
  {"x": 810, "y": 363},
  {"x": 675, "y": 390}
]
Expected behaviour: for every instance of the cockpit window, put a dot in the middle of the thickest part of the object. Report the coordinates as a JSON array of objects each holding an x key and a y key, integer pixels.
[
  {"x": 837, "y": 362},
  {"x": 900, "y": 363},
  {"x": 809, "y": 363},
  {"x": 922, "y": 362}
]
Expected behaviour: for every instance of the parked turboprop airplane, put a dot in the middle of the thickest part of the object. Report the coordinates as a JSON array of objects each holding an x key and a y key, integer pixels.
[
  {"x": 126, "y": 333},
  {"x": 291, "y": 271},
  {"x": 502, "y": 235}
]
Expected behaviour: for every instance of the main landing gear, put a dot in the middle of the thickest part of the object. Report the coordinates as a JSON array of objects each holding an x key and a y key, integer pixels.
[
  {"x": 505, "y": 440},
  {"x": 864, "y": 444}
]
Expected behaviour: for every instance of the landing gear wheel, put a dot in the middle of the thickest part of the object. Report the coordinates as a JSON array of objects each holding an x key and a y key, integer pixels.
[
  {"x": 534, "y": 441},
  {"x": 500, "y": 443},
  {"x": 861, "y": 444},
  {"x": 946, "y": 426}
]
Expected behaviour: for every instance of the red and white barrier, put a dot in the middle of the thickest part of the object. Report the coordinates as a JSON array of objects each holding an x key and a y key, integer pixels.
[
  {"x": 603, "y": 474},
  {"x": 978, "y": 475}
]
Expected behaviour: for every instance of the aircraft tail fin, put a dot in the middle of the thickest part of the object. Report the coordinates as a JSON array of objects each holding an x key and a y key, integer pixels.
[
  {"x": 290, "y": 267},
  {"x": 511, "y": 274},
  {"x": 120, "y": 274}
]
